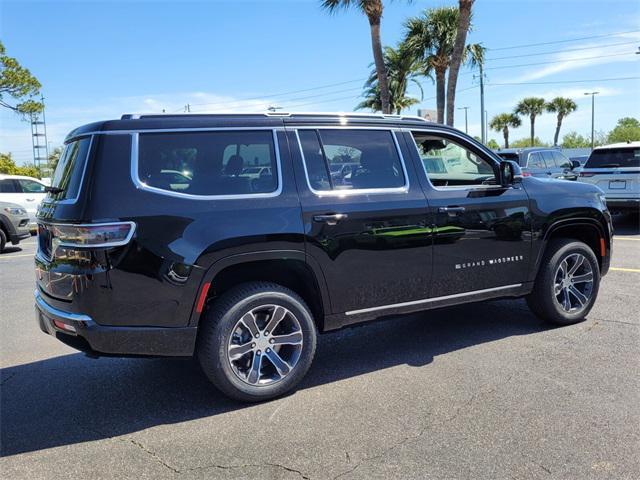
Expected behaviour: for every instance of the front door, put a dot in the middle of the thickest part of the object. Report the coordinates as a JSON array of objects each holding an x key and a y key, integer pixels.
[
  {"x": 366, "y": 225},
  {"x": 482, "y": 233}
]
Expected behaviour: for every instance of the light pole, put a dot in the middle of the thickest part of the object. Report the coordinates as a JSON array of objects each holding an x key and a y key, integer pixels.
[
  {"x": 593, "y": 102},
  {"x": 466, "y": 124}
]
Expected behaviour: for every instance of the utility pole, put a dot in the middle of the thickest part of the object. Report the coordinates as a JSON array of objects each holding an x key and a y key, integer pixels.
[
  {"x": 466, "y": 124},
  {"x": 187, "y": 108},
  {"x": 483, "y": 136},
  {"x": 593, "y": 104}
]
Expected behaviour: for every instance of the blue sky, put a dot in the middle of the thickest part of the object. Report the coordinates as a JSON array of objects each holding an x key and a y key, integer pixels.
[{"x": 97, "y": 60}]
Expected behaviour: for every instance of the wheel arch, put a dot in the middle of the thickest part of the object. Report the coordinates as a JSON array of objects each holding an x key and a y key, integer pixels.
[{"x": 290, "y": 268}]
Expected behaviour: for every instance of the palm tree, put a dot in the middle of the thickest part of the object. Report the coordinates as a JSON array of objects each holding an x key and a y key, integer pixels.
[
  {"x": 373, "y": 10},
  {"x": 563, "y": 107},
  {"x": 502, "y": 122},
  {"x": 401, "y": 69},
  {"x": 431, "y": 38},
  {"x": 457, "y": 56},
  {"x": 531, "y": 107}
]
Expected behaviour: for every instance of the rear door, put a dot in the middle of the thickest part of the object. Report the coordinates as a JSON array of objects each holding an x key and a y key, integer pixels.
[
  {"x": 482, "y": 231},
  {"x": 368, "y": 231},
  {"x": 563, "y": 164},
  {"x": 536, "y": 165}
]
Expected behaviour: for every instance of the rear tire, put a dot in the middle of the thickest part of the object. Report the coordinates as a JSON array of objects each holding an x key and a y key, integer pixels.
[
  {"x": 3, "y": 240},
  {"x": 239, "y": 354},
  {"x": 567, "y": 283}
]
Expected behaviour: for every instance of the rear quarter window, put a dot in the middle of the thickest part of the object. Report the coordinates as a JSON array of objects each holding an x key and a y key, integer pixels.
[
  {"x": 614, "y": 158},
  {"x": 70, "y": 169},
  {"x": 209, "y": 163}
]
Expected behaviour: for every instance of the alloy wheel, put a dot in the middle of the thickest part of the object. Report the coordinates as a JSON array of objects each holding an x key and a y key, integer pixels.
[
  {"x": 573, "y": 284},
  {"x": 265, "y": 345}
]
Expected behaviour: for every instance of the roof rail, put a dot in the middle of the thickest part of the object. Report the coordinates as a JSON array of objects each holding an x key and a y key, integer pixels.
[{"x": 136, "y": 116}]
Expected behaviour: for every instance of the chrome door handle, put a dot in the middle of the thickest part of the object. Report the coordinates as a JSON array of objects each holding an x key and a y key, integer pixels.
[
  {"x": 331, "y": 219},
  {"x": 451, "y": 209}
]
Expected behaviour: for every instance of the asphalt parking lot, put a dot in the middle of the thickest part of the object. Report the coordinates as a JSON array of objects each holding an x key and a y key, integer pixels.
[{"x": 477, "y": 391}]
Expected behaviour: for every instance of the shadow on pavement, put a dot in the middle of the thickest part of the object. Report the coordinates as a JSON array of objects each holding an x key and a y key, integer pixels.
[{"x": 73, "y": 399}]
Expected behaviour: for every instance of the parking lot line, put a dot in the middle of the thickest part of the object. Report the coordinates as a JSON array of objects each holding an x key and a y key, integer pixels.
[
  {"x": 620, "y": 269},
  {"x": 16, "y": 256},
  {"x": 627, "y": 238}
]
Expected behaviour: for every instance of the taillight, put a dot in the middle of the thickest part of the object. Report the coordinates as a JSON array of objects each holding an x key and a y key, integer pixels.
[
  {"x": 526, "y": 174},
  {"x": 90, "y": 235}
]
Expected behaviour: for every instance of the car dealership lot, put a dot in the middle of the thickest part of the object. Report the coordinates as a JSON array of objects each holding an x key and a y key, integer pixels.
[{"x": 476, "y": 391}]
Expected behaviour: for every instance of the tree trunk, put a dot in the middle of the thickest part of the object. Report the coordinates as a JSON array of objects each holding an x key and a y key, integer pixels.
[
  {"x": 440, "y": 81},
  {"x": 378, "y": 58},
  {"x": 555, "y": 137},
  {"x": 464, "y": 19},
  {"x": 505, "y": 133},
  {"x": 533, "y": 129}
]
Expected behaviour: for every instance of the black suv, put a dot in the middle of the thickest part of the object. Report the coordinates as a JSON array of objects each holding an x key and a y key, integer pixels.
[{"x": 158, "y": 237}]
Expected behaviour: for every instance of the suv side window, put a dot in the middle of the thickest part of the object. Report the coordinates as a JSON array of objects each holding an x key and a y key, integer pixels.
[
  {"x": 548, "y": 158},
  {"x": 8, "y": 186},
  {"x": 561, "y": 160},
  {"x": 535, "y": 161},
  {"x": 208, "y": 163},
  {"x": 29, "y": 186},
  {"x": 371, "y": 154},
  {"x": 449, "y": 164}
]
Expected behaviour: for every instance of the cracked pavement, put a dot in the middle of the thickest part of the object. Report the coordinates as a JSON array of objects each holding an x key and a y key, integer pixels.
[{"x": 483, "y": 391}]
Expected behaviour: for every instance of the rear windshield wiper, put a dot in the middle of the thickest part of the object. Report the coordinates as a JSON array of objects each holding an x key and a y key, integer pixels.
[{"x": 53, "y": 190}]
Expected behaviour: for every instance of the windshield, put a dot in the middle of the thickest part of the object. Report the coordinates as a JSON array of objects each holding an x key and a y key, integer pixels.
[
  {"x": 70, "y": 169},
  {"x": 614, "y": 158}
]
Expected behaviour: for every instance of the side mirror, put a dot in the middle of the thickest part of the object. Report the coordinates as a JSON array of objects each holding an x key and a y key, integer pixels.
[
  {"x": 509, "y": 172},
  {"x": 575, "y": 164}
]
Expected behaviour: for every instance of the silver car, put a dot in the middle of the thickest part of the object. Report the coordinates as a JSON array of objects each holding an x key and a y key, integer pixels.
[{"x": 14, "y": 224}]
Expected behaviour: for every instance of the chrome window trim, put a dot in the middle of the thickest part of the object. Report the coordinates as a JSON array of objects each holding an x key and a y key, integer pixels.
[
  {"x": 426, "y": 174},
  {"x": 431, "y": 300},
  {"x": 359, "y": 191},
  {"x": 143, "y": 186},
  {"x": 71, "y": 201}
]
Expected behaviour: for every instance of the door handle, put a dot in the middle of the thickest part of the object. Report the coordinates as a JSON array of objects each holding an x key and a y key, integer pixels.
[
  {"x": 31, "y": 199},
  {"x": 451, "y": 209},
  {"x": 330, "y": 219}
]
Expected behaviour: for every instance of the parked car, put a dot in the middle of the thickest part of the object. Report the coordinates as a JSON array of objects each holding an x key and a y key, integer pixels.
[
  {"x": 245, "y": 274},
  {"x": 25, "y": 191},
  {"x": 581, "y": 159},
  {"x": 615, "y": 169},
  {"x": 14, "y": 224},
  {"x": 541, "y": 162}
]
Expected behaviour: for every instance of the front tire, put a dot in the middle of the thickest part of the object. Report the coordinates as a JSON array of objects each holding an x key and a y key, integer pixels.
[
  {"x": 567, "y": 284},
  {"x": 3, "y": 240},
  {"x": 257, "y": 341}
]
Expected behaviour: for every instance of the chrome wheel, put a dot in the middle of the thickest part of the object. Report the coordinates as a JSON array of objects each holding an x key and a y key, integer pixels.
[
  {"x": 265, "y": 345},
  {"x": 573, "y": 284}
]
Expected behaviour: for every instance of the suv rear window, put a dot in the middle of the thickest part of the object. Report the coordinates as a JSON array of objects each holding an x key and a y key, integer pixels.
[
  {"x": 70, "y": 169},
  {"x": 208, "y": 163},
  {"x": 614, "y": 158},
  {"x": 370, "y": 155}
]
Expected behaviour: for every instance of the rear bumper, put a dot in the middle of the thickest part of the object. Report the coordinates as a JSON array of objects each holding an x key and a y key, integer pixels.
[
  {"x": 623, "y": 203},
  {"x": 82, "y": 333}
]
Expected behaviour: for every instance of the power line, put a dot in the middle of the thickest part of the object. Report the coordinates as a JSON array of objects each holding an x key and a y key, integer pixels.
[
  {"x": 567, "y": 81},
  {"x": 561, "y": 51},
  {"x": 563, "y": 41}
]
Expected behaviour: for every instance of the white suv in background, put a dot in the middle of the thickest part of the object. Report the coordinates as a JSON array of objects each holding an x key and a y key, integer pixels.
[
  {"x": 25, "y": 191},
  {"x": 615, "y": 169}
]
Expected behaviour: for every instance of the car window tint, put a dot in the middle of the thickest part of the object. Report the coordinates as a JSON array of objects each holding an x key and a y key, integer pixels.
[
  {"x": 7, "y": 186},
  {"x": 614, "y": 158},
  {"x": 450, "y": 164},
  {"x": 548, "y": 158},
  {"x": 208, "y": 163},
  {"x": 351, "y": 159},
  {"x": 70, "y": 169},
  {"x": 535, "y": 161},
  {"x": 560, "y": 160},
  {"x": 29, "y": 186}
]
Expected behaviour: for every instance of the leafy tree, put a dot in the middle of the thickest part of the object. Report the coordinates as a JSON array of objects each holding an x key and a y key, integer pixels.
[
  {"x": 562, "y": 107},
  {"x": 464, "y": 25},
  {"x": 526, "y": 142},
  {"x": 373, "y": 10},
  {"x": 575, "y": 140},
  {"x": 9, "y": 167},
  {"x": 17, "y": 83},
  {"x": 401, "y": 69},
  {"x": 493, "y": 145},
  {"x": 531, "y": 107},
  {"x": 502, "y": 123},
  {"x": 431, "y": 38},
  {"x": 54, "y": 158},
  {"x": 626, "y": 130}
]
